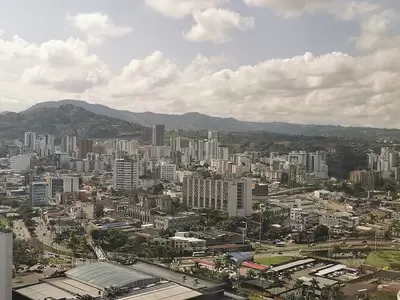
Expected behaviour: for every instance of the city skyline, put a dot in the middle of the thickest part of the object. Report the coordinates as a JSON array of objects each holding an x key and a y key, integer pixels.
[{"x": 260, "y": 60}]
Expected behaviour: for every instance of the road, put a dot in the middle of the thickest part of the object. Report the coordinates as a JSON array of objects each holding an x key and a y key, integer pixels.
[
  {"x": 20, "y": 230},
  {"x": 45, "y": 236}
]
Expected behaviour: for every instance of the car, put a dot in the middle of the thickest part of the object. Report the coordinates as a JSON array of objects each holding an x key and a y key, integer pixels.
[
  {"x": 280, "y": 252},
  {"x": 364, "y": 242}
]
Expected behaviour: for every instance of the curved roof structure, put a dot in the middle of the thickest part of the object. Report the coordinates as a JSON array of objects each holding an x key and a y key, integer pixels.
[{"x": 104, "y": 275}]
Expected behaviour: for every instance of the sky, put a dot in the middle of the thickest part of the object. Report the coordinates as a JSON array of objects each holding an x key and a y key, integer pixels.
[{"x": 299, "y": 61}]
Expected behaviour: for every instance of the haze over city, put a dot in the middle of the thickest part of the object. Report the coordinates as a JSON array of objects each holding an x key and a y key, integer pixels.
[{"x": 320, "y": 61}]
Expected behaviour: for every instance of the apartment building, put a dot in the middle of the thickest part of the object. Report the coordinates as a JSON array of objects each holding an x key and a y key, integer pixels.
[
  {"x": 37, "y": 193},
  {"x": 342, "y": 219},
  {"x": 233, "y": 197},
  {"x": 126, "y": 174}
]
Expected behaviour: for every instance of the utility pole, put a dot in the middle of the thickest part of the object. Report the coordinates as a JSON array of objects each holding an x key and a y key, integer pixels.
[{"x": 262, "y": 210}]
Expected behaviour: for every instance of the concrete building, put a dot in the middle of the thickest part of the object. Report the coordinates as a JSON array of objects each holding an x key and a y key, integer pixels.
[
  {"x": 30, "y": 140},
  {"x": 6, "y": 264},
  {"x": 158, "y": 133},
  {"x": 368, "y": 179},
  {"x": 233, "y": 197},
  {"x": 20, "y": 163},
  {"x": 62, "y": 184},
  {"x": 85, "y": 146},
  {"x": 65, "y": 144},
  {"x": 126, "y": 174},
  {"x": 167, "y": 171},
  {"x": 37, "y": 193}
]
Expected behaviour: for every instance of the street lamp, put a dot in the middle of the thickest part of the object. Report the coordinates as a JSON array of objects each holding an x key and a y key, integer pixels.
[
  {"x": 243, "y": 231},
  {"x": 262, "y": 210}
]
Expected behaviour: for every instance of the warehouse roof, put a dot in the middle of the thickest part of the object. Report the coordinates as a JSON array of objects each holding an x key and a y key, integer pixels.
[{"x": 105, "y": 275}]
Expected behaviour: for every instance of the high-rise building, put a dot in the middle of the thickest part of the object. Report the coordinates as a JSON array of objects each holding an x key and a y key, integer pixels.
[
  {"x": 74, "y": 144},
  {"x": 126, "y": 174},
  {"x": 30, "y": 140},
  {"x": 167, "y": 171},
  {"x": 158, "y": 133},
  {"x": 37, "y": 193},
  {"x": 233, "y": 197},
  {"x": 62, "y": 184},
  {"x": 65, "y": 144},
  {"x": 175, "y": 143},
  {"x": 6, "y": 263},
  {"x": 85, "y": 146},
  {"x": 147, "y": 133}
]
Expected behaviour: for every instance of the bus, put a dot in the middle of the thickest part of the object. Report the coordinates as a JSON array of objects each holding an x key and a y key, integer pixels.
[
  {"x": 199, "y": 253},
  {"x": 280, "y": 244}
]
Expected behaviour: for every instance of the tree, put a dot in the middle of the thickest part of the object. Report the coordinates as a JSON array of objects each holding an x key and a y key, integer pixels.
[
  {"x": 250, "y": 274},
  {"x": 99, "y": 211},
  {"x": 84, "y": 297}
]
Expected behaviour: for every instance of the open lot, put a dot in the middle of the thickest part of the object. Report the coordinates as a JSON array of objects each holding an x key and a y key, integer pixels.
[{"x": 385, "y": 259}]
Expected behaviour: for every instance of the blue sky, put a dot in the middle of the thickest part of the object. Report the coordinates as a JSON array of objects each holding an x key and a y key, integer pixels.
[{"x": 317, "y": 61}]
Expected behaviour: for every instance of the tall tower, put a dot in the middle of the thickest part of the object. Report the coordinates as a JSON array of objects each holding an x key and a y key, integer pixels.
[
  {"x": 158, "y": 135},
  {"x": 30, "y": 140},
  {"x": 6, "y": 263}
]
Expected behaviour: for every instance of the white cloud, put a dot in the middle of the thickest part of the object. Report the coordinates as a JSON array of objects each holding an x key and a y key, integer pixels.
[
  {"x": 359, "y": 89},
  {"x": 182, "y": 8},
  {"x": 97, "y": 27},
  {"x": 62, "y": 65},
  {"x": 291, "y": 8},
  {"x": 217, "y": 25}
]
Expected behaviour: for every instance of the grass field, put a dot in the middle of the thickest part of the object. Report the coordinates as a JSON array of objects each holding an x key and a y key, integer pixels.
[
  {"x": 274, "y": 260},
  {"x": 3, "y": 221},
  {"x": 385, "y": 259}
]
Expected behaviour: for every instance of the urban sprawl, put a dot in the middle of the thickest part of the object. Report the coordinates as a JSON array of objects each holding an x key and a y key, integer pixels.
[{"x": 165, "y": 216}]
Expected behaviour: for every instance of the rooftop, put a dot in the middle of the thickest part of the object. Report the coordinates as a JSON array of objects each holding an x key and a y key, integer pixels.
[{"x": 104, "y": 275}]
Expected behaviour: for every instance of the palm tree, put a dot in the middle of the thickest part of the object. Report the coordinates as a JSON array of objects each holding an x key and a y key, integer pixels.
[
  {"x": 217, "y": 264},
  {"x": 250, "y": 274}
]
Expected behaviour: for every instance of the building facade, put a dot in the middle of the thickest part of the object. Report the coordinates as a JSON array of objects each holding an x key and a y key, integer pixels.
[
  {"x": 37, "y": 193},
  {"x": 233, "y": 197},
  {"x": 126, "y": 174},
  {"x": 158, "y": 133},
  {"x": 6, "y": 264}
]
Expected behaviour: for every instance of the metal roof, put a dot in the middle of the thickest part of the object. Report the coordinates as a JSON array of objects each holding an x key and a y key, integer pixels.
[
  {"x": 105, "y": 275},
  {"x": 293, "y": 264}
]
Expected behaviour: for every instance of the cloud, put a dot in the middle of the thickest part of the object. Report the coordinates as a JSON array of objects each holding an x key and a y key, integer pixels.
[
  {"x": 97, "y": 27},
  {"x": 63, "y": 65},
  {"x": 337, "y": 88},
  {"x": 217, "y": 25},
  {"x": 291, "y": 8},
  {"x": 181, "y": 8}
]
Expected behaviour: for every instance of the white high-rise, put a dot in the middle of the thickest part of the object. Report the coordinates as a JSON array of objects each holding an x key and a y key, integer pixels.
[
  {"x": 6, "y": 263},
  {"x": 126, "y": 174},
  {"x": 233, "y": 197},
  {"x": 30, "y": 140}
]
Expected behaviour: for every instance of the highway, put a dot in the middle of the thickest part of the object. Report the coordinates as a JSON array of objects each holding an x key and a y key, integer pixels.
[{"x": 20, "y": 230}]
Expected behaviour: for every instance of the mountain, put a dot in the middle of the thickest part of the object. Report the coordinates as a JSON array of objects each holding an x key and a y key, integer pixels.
[
  {"x": 65, "y": 119},
  {"x": 196, "y": 122}
]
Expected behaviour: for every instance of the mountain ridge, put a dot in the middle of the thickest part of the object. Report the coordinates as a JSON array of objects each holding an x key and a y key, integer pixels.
[
  {"x": 65, "y": 119},
  {"x": 194, "y": 121}
]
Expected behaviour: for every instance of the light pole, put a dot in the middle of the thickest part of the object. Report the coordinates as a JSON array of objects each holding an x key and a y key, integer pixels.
[
  {"x": 244, "y": 231},
  {"x": 262, "y": 210}
]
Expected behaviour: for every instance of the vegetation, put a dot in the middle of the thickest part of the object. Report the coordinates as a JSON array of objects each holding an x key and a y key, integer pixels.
[
  {"x": 64, "y": 120},
  {"x": 385, "y": 259},
  {"x": 273, "y": 260}
]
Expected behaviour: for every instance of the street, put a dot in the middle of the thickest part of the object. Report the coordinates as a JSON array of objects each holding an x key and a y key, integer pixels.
[{"x": 20, "y": 230}]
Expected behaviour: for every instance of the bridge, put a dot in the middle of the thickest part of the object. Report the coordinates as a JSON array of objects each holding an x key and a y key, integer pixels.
[{"x": 294, "y": 191}]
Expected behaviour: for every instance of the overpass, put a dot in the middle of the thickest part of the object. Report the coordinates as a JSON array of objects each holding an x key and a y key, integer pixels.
[{"x": 294, "y": 191}]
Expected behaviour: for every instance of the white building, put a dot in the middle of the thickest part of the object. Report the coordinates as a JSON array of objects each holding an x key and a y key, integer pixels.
[
  {"x": 340, "y": 219},
  {"x": 167, "y": 171},
  {"x": 30, "y": 140},
  {"x": 233, "y": 197},
  {"x": 6, "y": 264},
  {"x": 37, "y": 193},
  {"x": 20, "y": 163},
  {"x": 126, "y": 174}
]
